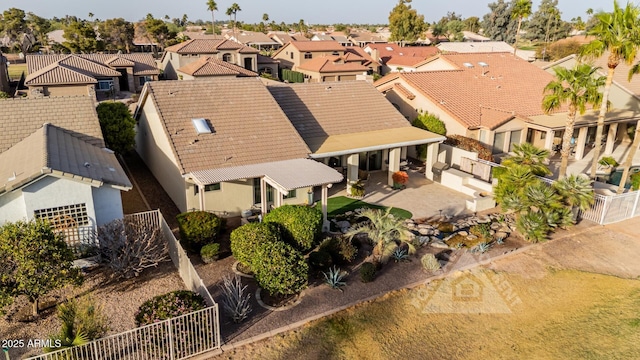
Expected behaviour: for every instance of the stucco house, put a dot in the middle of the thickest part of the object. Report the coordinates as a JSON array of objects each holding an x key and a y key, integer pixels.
[
  {"x": 258, "y": 40},
  {"x": 484, "y": 47},
  {"x": 185, "y": 53},
  {"x": 224, "y": 145},
  {"x": 283, "y": 38},
  {"x": 338, "y": 37},
  {"x": 53, "y": 165},
  {"x": 88, "y": 74},
  {"x": 394, "y": 57},
  {"x": 296, "y": 53},
  {"x": 206, "y": 67},
  {"x": 334, "y": 68}
]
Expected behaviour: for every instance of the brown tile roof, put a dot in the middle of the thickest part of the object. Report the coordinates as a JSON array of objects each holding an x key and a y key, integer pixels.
[
  {"x": 326, "y": 109},
  {"x": 72, "y": 62},
  {"x": 312, "y": 46},
  {"x": 58, "y": 74},
  {"x": 208, "y": 66},
  {"x": 283, "y": 38},
  {"x": 390, "y": 53},
  {"x": 20, "y": 117},
  {"x": 248, "y": 125},
  {"x": 331, "y": 64},
  {"x": 209, "y": 46},
  {"x": 509, "y": 87},
  {"x": 97, "y": 64},
  {"x": 119, "y": 61},
  {"x": 51, "y": 149},
  {"x": 253, "y": 37},
  {"x": 363, "y": 54},
  {"x": 201, "y": 35}
]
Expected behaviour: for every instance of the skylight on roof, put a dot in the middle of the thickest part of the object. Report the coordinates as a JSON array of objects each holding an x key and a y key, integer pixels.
[
  {"x": 389, "y": 48},
  {"x": 469, "y": 65},
  {"x": 483, "y": 64},
  {"x": 201, "y": 126}
]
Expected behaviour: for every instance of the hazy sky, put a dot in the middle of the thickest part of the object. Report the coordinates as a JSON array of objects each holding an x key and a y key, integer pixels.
[{"x": 313, "y": 12}]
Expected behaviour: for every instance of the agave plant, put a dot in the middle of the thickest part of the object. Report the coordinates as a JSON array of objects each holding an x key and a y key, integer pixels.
[
  {"x": 500, "y": 240},
  {"x": 400, "y": 254},
  {"x": 533, "y": 225},
  {"x": 334, "y": 277},
  {"x": 481, "y": 248},
  {"x": 235, "y": 302}
]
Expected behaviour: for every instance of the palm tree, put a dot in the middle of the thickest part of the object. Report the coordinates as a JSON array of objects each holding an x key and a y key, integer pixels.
[
  {"x": 212, "y": 6},
  {"x": 521, "y": 10},
  {"x": 577, "y": 87},
  {"x": 616, "y": 34},
  {"x": 233, "y": 10},
  {"x": 385, "y": 231},
  {"x": 530, "y": 156},
  {"x": 576, "y": 191}
]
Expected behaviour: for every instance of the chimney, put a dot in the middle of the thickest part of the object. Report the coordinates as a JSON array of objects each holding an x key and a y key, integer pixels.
[{"x": 375, "y": 54}]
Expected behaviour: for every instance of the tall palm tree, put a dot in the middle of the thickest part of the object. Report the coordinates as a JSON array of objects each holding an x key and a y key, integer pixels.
[
  {"x": 212, "y": 6},
  {"x": 576, "y": 191},
  {"x": 530, "y": 156},
  {"x": 616, "y": 34},
  {"x": 577, "y": 87},
  {"x": 634, "y": 146},
  {"x": 233, "y": 10},
  {"x": 521, "y": 10}
]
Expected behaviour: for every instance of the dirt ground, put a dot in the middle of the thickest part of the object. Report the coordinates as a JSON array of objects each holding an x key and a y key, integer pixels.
[{"x": 571, "y": 298}]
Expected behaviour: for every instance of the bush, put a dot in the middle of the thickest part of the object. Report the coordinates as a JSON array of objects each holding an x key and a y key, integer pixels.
[
  {"x": 608, "y": 161},
  {"x": 368, "y": 272},
  {"x": 470, "y": 144},
  {"x": 635, "y": 181},
  {"x": 209, "y": 253},
  {"x": 300, "y": 225},
  {"x": 558, "y": 49},
  {"x": 430, "y": 263},
  {"x": 430, "y": 122},
  {"x": 341, "y": 249},
  {"x": 169, "y": 305},
  {"x": 400, "y": 177},
  {"x": 279, "y": 268},
  {"x": 246, "y": 239},
  {"x": 118, "y": 126},
  {"x": 82, "y": 321},
  {"x": 320, "y": 260},
  {"x": 198, "y": 228},
  {"x": 357, "y": 189}
]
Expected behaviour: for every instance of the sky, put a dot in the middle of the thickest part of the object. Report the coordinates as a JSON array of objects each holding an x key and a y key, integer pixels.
[{"x": 325, "y": 12}]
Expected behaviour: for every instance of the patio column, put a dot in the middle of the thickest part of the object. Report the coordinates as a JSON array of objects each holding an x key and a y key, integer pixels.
[
  {"x": 263, "y": 196},
  {"x": 201, "y": 196},
  {"x": 548, "y": 142},
  {"x": 611, "y": 138},
  {"x": 581, "y": 143},
  {"x": 432, "y": 158},
  {"x": 279, "y": 198},
  {"x": 394, "y": 164},
  {"x": 323, "y": 201},
  {"x": 352, "y": 170}
]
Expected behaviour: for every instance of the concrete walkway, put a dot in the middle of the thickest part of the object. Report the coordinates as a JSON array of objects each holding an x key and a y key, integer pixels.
[{"x": 422, "y": 197}]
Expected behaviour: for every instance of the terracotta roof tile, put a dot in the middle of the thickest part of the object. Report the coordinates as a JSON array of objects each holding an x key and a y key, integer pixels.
[
  {"x": 58, "y": 74},
  {"x": 208, "y": 66},
  {"x": 317, "y": 46},
  {"x": 242, "y": 135},
  {"x": 390, "y": 53},
  {"x": 96, "y": 64},
  {"x": 209, "y": 46},
  {"x": 331, "y": 64}
]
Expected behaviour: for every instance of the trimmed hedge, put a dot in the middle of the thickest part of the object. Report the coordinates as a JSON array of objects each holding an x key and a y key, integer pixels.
[
  {"x": 300, "y": 225},
  {"x": 279, "y": 268},
  {"x": 470, "y": 144},
  {"x": 246, "y": 238},
  {"x": 198, "y": 228},
  {"x": 169, "y": 305}
]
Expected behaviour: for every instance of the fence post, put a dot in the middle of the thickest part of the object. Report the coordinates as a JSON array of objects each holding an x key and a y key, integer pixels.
[
  {"x": 171, "y": 350},
  {"x": 635, "y": 204},
  {"x": 605, "y": 208}
]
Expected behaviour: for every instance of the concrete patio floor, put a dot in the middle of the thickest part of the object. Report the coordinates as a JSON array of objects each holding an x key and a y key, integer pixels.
[{"x": 422, "y": 197}]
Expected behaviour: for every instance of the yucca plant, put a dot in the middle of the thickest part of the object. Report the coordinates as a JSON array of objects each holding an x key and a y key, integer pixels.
[
  {"x": 430, "y": 263},
  {"x": 481, "y": 248},
  {"x": 334, "y": 277},
  {"x": 235, "y": 302}
]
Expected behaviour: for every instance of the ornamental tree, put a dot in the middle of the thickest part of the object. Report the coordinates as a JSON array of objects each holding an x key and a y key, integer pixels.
[{"x": 118, "y": 126}]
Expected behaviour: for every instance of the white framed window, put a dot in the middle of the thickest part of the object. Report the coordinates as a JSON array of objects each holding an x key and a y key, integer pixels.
[
  {"x": 308, "y": 55},
  {"x": 291, "y": 194},
  {"x": 104, "y": 85},
  {"x": 76, "y": 211}
]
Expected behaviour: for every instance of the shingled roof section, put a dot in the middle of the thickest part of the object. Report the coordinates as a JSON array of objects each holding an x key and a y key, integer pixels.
[
  {"x": 248, "y": 126},
  {"x": 326, "y": 109},
  {"x": 51, "y": 149},
  {"x": 20, "y": 117},
  {"x": 208, "y": 66},
  {"x": 488, "y": 90}
]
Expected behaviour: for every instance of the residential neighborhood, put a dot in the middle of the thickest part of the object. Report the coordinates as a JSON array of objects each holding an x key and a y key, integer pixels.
[{"x": 230, "y": 180}]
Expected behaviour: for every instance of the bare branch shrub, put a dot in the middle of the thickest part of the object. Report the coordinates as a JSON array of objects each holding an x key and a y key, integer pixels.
[
  {"x": 129, "y": 246},
  {"x": 236, "y": 303}
]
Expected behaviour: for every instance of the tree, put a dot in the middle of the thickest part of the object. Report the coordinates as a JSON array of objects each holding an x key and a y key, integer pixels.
[
  {"x": 531, "y": 157},
  {"x": 616, "y": 35},
  {"x": 265, "y": 17},
  {"x": 213, "y": 7},
  {"x": 157, "y": 30},
  {"x": 81, "y": 38},
  {"x": 14, "y": 26},
  {"x": 118, "y": 126},
  {"x": 454, "y": 30},
  {"x": 36, "y": 260},
  {"x": 577, "y": 87},
  {"x": 546, "y": 24},
  {"x": 404, "y": 23},
  {"x": 39, "y": 27},
  {"x": 233, "y": 10},
  {"x": 429, "y": 122},
  {"x": 472, "y": 24},
  {"x": 499, "y": 25},
  {"x": 521, "y": 9},
  {"x": 117, "y": 34},
  {"x": 576, "y": 191}
]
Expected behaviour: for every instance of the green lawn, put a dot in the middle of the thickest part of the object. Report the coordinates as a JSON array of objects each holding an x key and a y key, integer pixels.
[
  {"x": 341, "y": 204},
  {"x": 15, "y": 70}
]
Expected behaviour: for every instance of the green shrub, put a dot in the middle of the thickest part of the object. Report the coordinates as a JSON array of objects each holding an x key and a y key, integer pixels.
[
  {"x": 481, "y": 231},
  {"x": 341, "y": 249},
  {"x": 320, "y": 260},
  {"x": 246, "y": 238},
  {"x": 635, "y": 181},
  {"x": 368, "y": 272},
  {"x": 300, "y": 225},
  {"x": 279, "y": 268},
  {"x": 608, "y": 161},
  {"x": 118, "y": 126},
  {"x": 169, "y": 305},
  {"x": 429, "y": 122},
  {"x": 81, "y": 321},
  {"x": 198, "y": 228},
  {"x": 209, "y": 253},
  {"x": 470, "y": 144},
  {"x": 357, "y": 189}
]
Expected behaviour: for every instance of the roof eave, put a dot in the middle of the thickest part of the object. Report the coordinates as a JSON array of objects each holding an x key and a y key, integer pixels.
[{"x": 378, "y": 147}]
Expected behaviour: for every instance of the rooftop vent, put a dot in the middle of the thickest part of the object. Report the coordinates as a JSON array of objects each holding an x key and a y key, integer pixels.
[
  {"x": 389, "y": 48},
  {"x": 483, "y": 64},
  {"x": 469, "y": 65},
  {"x": 201, "y": 126}
]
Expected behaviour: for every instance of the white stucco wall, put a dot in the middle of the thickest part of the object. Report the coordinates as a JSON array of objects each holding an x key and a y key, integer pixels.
[
  {"x": 107, "y": 204},
  {"x": 12, "y": 207},
  {"x": 452, "y": 155},
  {"x": 436, "y": 65}
]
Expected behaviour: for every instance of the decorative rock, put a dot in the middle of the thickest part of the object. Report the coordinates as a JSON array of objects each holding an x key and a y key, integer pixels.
[
  {"x": 439, "y": 245},
  {"x": 463, "y": 233},
  {"x": 500, "y": 235},
  {"x": 348, "y": 213},
  {"x": 423, "y": 240},
  {"x": 495, "y": 226},
  {"x": 434, "y": 239},
  {"x": 343, "y": 225},
  {"x": 483, "y": 220},
  {"x": 424, "y": 231},
  {"x": 472, "y": 237}
]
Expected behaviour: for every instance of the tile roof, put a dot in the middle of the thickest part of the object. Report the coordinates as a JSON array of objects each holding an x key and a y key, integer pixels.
[
  {"x": 509, "y": 87},
  {"x": 474, "y": 47},
  {"x": 209, "y": 66},
  {"x": 58, "y": 74},
  {"x": 51, "y": 149},
  {"x": 209, "y": 46},
  {"x": 20, "y": 117},
  {"x": 266, "y": 60},
  {"x": 253, "y": 37},
  {"x": 332, "y": 64},
  {"x": 96, "y": 64},
  {"x": 248, "y": 125},
  {"x": 283, "y": 38},
  {"x": 317, "y": 46},
  {"x": 402, "y": 55},
  {"x": 363, "y": 54},
  {"x": 325, "y": 109},
  {"x": 201, "y": 35}
]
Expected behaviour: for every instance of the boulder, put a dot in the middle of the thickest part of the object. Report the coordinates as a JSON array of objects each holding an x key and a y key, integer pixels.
[
  {"x": 463, "y": 233},
  {"x": 439, "y": 245},
  {"x": 471, "y": 237},
  {"x": 500, "y": 235}
]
